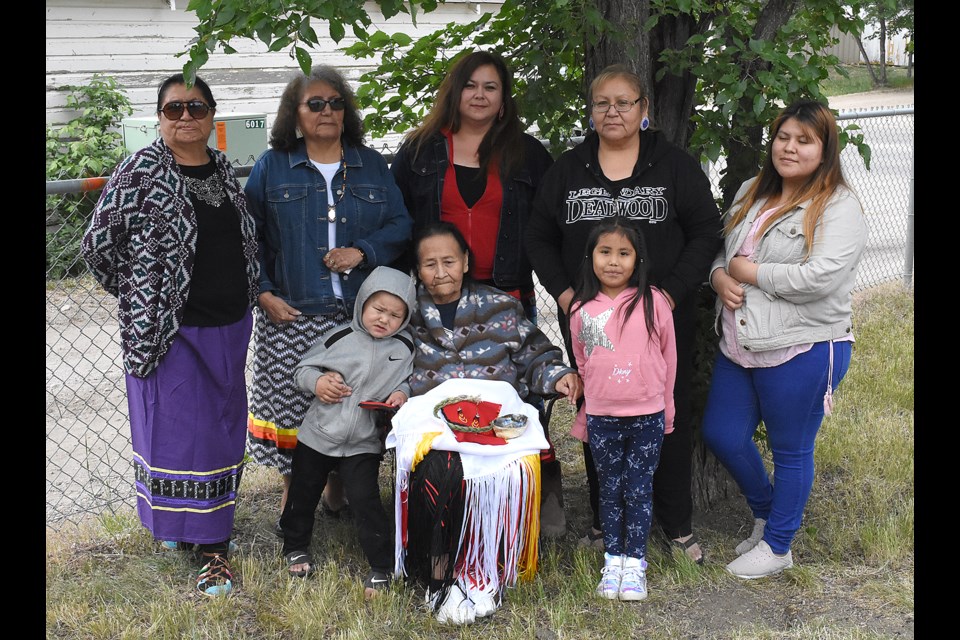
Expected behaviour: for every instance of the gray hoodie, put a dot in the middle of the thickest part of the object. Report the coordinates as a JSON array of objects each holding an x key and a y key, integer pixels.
[{"x": 373, "y": 367}]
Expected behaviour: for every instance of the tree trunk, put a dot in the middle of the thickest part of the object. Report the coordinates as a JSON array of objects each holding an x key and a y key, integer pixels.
[
  {"x": 866, "y": 58},
  {"x": 743, "y": 156},
  {"x": 673, "y": 98},
  {"x": 883, "y": 52}
]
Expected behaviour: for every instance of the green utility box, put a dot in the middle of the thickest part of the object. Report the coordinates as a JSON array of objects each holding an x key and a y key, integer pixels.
[{"x": 241, "y": 136}]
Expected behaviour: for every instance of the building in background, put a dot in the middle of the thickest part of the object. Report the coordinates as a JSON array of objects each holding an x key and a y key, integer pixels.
[{"x": 136, "y": 42}]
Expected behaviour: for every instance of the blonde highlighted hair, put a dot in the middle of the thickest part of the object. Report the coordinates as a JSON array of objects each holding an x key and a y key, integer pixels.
[{"x": 817, "y": 119}]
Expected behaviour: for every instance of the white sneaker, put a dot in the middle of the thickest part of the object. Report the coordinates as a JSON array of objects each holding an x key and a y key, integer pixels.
[
  {"x": 760, "y": 562},
  {"x": 484, "y": 604},
  {"x": 758, "y": 526},
  {"x": 633, "y": 579},
  {"x": 484, "y": 594},
  {"x": 609, "y": 586},
  {"x": 456, "y": 609}
]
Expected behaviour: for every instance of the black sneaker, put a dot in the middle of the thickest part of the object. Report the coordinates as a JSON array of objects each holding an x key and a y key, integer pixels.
[{"x": 376, "y": 581}]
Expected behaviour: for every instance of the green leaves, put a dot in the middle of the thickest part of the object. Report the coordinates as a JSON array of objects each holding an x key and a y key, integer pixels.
[
  {"x": 743, "y": 74},
  {"x": 89, "y": 145},
  {"x": 304, "y": 60}
]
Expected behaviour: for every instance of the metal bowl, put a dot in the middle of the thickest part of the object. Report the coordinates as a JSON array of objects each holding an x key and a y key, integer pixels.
[{"x": 510, "y": 425}]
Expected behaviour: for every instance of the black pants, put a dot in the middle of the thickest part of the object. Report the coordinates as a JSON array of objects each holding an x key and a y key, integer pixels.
[
  {"x": 672, "y": 497},
  {"x": 360, "y": 475}
]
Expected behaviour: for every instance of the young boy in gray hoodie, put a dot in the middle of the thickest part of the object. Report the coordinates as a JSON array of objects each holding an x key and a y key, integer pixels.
[{"x": 368, "y": 359}]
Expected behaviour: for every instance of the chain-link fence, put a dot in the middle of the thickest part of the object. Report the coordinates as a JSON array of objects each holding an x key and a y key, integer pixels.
[{"x": 88, "y": 445}]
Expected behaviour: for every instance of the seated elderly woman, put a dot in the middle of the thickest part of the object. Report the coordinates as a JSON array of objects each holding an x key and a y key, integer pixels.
[{"x": 468, "y": 502}]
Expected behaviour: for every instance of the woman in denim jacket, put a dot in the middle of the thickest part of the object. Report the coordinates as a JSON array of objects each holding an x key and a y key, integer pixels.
[
  {"x": 784, "y": 283},
  {"x": 327, "y": 212}
]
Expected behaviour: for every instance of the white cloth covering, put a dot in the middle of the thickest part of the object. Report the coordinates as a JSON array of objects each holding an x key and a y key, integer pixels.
[{"x": 496, "y": 484}]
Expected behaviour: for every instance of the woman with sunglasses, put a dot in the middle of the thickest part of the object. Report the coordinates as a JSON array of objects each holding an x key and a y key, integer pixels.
[
  {"x": 625, "y": 167},
  {"x": 172, "y": 239},
  {"x": 327, "y": 213}
]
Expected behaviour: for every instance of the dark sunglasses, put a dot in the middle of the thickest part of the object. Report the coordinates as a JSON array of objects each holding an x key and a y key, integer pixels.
[
  {"x": 174, "y": 110},
  {"x": 319, "y": 104}
]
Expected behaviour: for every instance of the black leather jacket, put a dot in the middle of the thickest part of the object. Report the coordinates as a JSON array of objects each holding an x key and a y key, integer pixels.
[{"x": 421, "y": 181}]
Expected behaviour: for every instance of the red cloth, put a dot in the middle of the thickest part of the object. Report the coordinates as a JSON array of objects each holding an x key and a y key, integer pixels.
[
  {"x": 480, "y": 438},
  {"x": 480, "y": 224},
  {"x": 471, "y": 414}
]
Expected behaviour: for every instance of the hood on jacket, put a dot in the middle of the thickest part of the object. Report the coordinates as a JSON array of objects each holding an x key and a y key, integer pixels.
[
  {"x": 653, "y": 147},
  {"x": 392, "y": 281}
]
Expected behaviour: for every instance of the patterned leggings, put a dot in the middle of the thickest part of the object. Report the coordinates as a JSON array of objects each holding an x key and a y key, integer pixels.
[{"x": 626, "y": 451}]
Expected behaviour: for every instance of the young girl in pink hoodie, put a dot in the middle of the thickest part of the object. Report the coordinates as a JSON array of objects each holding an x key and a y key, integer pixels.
[{"x": 624, "y": 344}]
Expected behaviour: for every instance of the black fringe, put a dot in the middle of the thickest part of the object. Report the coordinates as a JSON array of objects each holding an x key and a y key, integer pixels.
[{"x": 434, "y": 513}]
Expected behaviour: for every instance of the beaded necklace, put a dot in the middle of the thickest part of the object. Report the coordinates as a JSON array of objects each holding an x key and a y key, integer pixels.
[{"x": 332, "y": 208}]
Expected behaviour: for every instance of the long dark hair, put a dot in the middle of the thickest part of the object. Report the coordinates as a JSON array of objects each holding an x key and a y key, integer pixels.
[
  {"x": 816, "y": 118},
  {"x": 283, "y": 134},
  {"x": 503, "y": 142},
  {"x": 439, "y": 229},
  {"x": 587, "y": 285}
]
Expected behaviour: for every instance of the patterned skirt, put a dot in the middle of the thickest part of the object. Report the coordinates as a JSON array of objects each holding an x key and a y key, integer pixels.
[
  {"x": 187, "y": 427},
  {"x": 277, "y": 405}
]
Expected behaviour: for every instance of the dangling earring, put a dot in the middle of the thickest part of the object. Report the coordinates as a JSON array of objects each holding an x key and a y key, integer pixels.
[
  {"x": 500, "y": 117},
  {"x": 590, "y": 124},
  {"x": 645, "y": 123}
]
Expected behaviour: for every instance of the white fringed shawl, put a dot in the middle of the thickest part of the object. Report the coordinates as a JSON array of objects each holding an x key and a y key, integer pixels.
[{"x": 502, "y": 481}]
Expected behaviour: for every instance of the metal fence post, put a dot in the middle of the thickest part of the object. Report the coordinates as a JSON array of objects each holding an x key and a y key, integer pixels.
[{"x": 908, "y": 253}]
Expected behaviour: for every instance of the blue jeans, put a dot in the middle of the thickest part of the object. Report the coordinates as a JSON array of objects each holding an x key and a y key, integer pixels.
[
  {"x": 626, "y": 451},
  {"x": 788, "y": 398}
]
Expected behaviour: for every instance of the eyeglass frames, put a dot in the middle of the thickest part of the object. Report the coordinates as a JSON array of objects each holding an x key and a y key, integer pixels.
[
  {"x": 174, "y": 110},
  {"x": 620, "y": 105},
  {"x": 319, "y": 104}
]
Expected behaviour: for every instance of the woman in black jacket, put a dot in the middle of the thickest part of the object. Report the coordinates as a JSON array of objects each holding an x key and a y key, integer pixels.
[{"x": 470, "y": 163}]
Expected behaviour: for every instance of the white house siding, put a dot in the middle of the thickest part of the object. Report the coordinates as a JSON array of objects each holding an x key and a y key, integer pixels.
[
  {"x": 896, "y": 46},
  {"x": 136, "y": 42}
]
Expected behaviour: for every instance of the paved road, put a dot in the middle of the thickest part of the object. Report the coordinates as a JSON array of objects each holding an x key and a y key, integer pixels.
[{"x": 873, "y": 99}]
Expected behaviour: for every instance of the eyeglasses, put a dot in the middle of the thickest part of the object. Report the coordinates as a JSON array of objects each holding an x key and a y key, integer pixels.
[
  {"x": 620, "y": 105},
  {"x": 174, "y": 110},
  {"x": 319, "y": 104}
]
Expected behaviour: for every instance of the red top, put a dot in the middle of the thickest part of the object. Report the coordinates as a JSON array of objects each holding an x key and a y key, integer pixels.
[{"x": 479, "y": 224}]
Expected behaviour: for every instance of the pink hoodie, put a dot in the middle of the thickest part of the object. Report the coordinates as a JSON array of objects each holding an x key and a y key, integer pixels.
[{"x": 625, "y": 370}]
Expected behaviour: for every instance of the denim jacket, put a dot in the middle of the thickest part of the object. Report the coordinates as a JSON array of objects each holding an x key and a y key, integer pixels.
[
  {"x": 288, "y": 200},
  {"x": 421, "y": 181}
]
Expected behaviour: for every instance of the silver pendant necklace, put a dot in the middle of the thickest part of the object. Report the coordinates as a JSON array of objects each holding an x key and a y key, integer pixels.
[{"x": 332, "y": 208}]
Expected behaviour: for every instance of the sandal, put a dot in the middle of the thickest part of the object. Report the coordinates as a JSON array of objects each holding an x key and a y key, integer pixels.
[
  {"x": 300, "y": 557},
  {"x": 170, "y": 545},
  {"x": 215, "y": 578},
  {"x": 329, "y": 511},
  {"x": 686, "y": 545}
]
